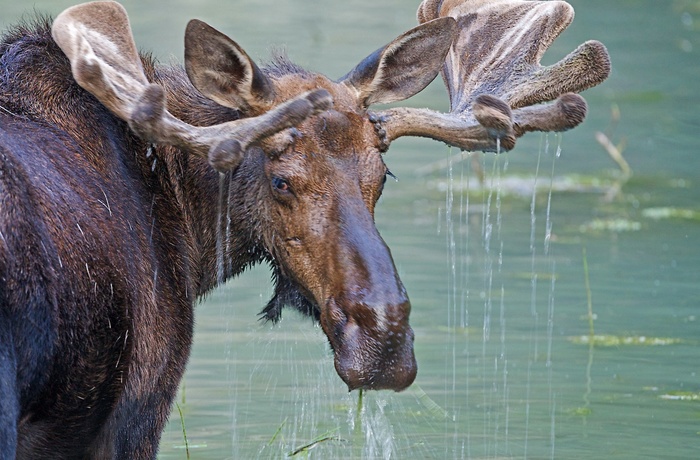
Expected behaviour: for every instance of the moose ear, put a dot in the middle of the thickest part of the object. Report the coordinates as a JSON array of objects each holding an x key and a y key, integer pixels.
[
  {"x": 405, "y": 66},
  {"x": 223, "y": 72}
]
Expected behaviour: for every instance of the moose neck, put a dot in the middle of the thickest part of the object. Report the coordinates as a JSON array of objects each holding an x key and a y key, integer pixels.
[{"x": 221, "y": 243}]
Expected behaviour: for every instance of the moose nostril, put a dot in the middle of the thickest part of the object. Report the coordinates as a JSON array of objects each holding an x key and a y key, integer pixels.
[{"x": 370, "y": 359}]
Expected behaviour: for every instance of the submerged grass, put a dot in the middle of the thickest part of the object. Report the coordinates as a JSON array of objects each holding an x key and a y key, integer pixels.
[
  {"x": 184, "y": 431},
  {"x": 586, "y": 410},
  {"x": 328, "y": 436},
  {"x": 277, "y": 433},
  {"x": 433, "y": 408},
  {"x": 603, "y": 340},
  {"x": 325, "y": 437}
]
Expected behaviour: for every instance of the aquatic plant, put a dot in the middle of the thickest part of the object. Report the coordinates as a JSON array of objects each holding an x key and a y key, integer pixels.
[
  {"x": 619, "y": 340},
  {"x": 670, "y": 213}
]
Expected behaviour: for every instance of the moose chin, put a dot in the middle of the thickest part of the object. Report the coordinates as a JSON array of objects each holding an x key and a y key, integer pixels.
[{"x": 128, "y": 190}]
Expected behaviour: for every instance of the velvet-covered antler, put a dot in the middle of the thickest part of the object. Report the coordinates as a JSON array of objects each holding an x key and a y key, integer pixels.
[
  {"x": 494, "y": 78},
  {"x": 97, "y": 39}
]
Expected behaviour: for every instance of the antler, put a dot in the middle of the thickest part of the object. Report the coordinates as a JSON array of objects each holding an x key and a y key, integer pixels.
[
  {"x": 494, "y": 77},
  {"x": 97, "y": 39}
]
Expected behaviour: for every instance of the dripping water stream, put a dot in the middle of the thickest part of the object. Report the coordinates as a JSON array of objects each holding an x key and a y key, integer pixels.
[
  {"x": 223, "y": 227},
  {"x": 550, "y": 263},
  {"x": 220, "y": 232},
  {"x": 465, "y": 293},
  {"x": 533, "y": 295},
  {"x": 495, "y": 388},
  {"x": 549, "y": 259},
  {"x": 492, "y": 372}
]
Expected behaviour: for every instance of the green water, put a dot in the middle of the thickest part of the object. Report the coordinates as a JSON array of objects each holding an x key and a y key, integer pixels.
[{"x": 499, "y": 319}]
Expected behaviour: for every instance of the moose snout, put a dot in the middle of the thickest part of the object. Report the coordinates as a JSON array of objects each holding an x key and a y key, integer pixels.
[{"x": 373, "y": 347}]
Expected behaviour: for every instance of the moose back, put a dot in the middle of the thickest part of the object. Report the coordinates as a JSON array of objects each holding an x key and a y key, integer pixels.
[{"x": 128, "y": 190}]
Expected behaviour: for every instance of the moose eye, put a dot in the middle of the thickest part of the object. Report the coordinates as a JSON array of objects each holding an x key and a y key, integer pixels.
[{"x": 280, "y": 185}]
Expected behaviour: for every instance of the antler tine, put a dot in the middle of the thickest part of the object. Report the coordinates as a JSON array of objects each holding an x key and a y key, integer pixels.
[
  {"x": 97, "y": 39},
  {"x": 497, "y": 53},
  {"x": 493, "y": 129},
  {"x": 224, "y": 144}
]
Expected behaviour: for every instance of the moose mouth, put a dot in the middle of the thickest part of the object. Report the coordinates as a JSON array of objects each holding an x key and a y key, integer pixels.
[{"x": 373, "y": 346}]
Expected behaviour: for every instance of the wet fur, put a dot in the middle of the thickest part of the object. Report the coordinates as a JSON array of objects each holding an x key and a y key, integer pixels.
[{"x": 105, "y": 246}]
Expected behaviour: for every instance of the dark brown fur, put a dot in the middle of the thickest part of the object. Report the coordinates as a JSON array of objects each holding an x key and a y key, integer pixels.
[
  {"x": 103, "y": 252},
  {"x": 107, "y": 242}
]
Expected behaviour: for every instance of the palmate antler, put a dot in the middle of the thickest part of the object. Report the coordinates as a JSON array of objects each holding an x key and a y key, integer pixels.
[
  {"x": 97, "y": 39},
  {"x": 494, "y": 78}
]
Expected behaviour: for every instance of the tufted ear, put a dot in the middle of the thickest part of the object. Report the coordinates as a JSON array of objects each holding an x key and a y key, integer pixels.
[
  {"x": 405, "y": 66},
  {"x": 223, "y": 72}
]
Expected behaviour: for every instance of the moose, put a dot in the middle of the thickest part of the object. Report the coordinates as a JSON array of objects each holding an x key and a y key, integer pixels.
[{"x": 129, "y": 190}]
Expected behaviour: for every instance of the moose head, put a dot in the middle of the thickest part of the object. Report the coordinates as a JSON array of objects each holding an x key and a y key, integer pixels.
[{"x": 305, "y": 156}]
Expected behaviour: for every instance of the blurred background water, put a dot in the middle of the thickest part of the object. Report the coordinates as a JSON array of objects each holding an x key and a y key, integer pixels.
[{"x": 555, "y": 308}]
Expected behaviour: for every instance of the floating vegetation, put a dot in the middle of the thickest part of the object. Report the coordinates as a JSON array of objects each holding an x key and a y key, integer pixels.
[
  {"x": 619, "y": 340},
  {"x": 671, "y": 213},
  {"x": 681, "y": 396},
  {"x": 523, "y": 186},
  {"x": 581, "y": 411},
  {"x": 618, "y": 225},
  {"x": 431, "y": 406},
  {"x": 325, "y": 437}
]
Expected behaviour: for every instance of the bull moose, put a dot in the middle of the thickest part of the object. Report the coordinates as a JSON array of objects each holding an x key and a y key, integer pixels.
[{"x": 128, "y": 190}]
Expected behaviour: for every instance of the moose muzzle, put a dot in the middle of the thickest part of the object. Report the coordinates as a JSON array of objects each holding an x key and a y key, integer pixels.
[
  {"x": 373, "y": 345},
  {"x": 365, "y": 317}
]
